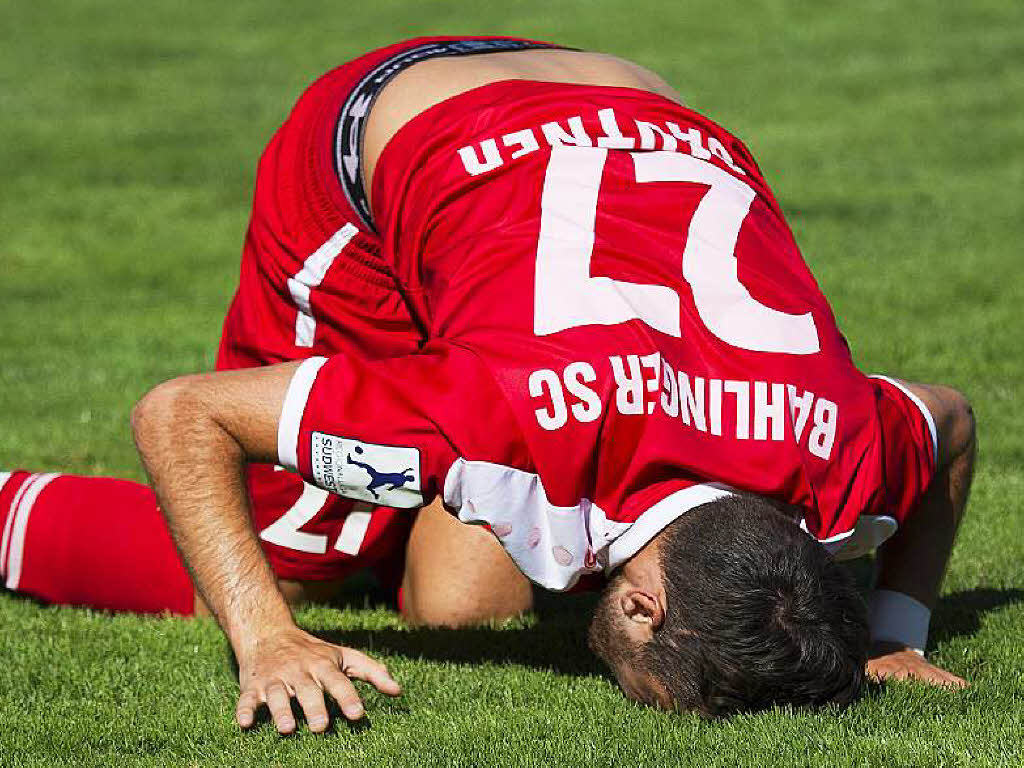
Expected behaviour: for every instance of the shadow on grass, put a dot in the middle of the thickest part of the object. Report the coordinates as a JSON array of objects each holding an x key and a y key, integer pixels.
[
  {"x": 557, "y": 641},
  {"x": 337, "y": 724},
  {"x": 960, "y": 613},
  {"x": 956, "y": 615}
]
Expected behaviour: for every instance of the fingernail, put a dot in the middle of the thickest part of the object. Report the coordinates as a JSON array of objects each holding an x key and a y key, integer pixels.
[
  {"x": 353, "y": 711},
  {"x": 318, "y": 723}
]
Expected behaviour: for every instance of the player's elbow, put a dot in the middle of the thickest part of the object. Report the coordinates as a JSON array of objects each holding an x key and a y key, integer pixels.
[{"x": 164, "y": 410}]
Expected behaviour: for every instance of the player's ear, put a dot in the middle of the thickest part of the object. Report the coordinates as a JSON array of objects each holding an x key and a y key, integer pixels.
[{"x": 643, "y": 607}]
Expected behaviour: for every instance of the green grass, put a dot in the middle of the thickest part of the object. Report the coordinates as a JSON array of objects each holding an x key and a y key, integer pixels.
[{"x": 129, "y": 133}]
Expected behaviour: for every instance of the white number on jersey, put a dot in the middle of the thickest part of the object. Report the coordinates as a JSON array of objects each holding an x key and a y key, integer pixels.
[
  {"x": 285, "y": 530},
  {"x": 566, "y": 296}
]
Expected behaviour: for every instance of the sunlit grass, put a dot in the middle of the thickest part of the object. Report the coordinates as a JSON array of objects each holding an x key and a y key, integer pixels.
[{"x": 129, "y": 134}]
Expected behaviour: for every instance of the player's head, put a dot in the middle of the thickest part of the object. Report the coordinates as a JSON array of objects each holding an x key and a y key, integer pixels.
[{"x": 750, "y": 612}]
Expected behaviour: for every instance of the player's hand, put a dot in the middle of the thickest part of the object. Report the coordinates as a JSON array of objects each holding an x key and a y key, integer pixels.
[
  {"x": 293, "y": 663},
  {"x": 890, "y": 661}
]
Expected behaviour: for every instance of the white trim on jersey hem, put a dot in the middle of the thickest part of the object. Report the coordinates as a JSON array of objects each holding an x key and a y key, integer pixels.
[
  {"x": 831, "y": 541},
  {"x": 291, "y": 411},
  {"x": 547, "y": 542},
  {"x": 15, "y": 558},
  {"x": 657, "y": 517},
  {"x": 869, "y": 533},
  {"x": 921, "y": 407},
  {"x": 555, "y": 545}
]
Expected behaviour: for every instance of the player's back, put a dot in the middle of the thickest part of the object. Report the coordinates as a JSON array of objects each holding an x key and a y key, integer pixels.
[{"x": 620, "y": 264}]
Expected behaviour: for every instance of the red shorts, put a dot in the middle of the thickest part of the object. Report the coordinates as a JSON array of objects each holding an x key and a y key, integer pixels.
[
  {"x": 910, "y": 452},
  {"x": 313, "y": 283}
]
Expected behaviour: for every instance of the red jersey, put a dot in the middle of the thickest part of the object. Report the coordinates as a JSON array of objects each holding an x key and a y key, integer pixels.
[{"x": 619, "y": 327}]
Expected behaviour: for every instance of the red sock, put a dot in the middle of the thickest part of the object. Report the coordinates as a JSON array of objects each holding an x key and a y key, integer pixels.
[{"x": 90, "y": 541}]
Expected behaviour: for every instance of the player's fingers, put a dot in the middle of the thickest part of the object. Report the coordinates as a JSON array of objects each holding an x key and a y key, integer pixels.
[
  {"x": 280, "y": 705},
  {"x": 361, "y": 667},
  {"x": 899, "y": 673},
  {"x": 343, "y": 692},
  {"x": 958, "y": 682},
  {"x": 925, "y": 672},
  {"x": 311, "y": 699},
  {"x": 245, "y": 712},
  {"x": 948, "y": 679},
  {"x": 881, "y": 672}
]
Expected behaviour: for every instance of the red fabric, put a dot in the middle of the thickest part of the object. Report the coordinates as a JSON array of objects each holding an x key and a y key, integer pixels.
[
  {"x": 275, "y": 493},
  {"x": 357, "y": 308},
  {"x": 908, "y": 450},
  {"x": 463, "y": 244},
  {"x": 449, "y": 291},
  {"x": 96, "y": 542},
  {"x": 103, "y": 543},
  {"x": 297, "y": 206}
]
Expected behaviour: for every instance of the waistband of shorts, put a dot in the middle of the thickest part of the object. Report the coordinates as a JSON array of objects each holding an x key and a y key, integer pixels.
[
  {"x": 485, "y": 112},
  {"x": 351, "y": 121}
]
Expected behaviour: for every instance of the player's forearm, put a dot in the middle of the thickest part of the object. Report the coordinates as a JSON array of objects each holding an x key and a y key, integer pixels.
[{"x": 196, "y": 468}]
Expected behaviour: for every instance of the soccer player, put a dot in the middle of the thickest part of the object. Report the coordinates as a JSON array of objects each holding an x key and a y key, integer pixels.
[{"x": 527, "y": 284}]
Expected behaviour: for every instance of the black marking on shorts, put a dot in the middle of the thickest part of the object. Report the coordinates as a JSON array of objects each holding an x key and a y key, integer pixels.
[{"x": 348, "y": 133}]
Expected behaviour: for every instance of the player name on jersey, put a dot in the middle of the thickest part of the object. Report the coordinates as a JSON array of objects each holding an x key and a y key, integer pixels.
[
  {"x": 491, "y": 154},
  {"x": 643, "y": 384}
]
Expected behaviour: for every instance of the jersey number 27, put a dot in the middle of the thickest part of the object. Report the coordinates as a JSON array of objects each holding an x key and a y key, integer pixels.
[{"x": 566, "y": 296}]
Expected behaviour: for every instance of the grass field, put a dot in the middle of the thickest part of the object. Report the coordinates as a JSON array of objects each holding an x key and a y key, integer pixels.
[{"x": 129, "y": 132}]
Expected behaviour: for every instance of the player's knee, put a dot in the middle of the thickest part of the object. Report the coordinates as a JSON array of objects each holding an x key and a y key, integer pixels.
[
  {"x": 957, "y": 425},
  {"x": 455, "y": 618},
  {"x": 967, "y": 424},
  {"x": 422, "y": 609}
]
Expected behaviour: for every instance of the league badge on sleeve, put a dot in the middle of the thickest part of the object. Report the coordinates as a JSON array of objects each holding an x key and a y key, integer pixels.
[{"x": 387, "y": 475}]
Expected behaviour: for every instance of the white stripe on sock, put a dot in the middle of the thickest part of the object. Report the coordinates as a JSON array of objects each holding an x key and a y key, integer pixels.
[
  {"x": 10, "y": 522},
  {"x": 16, "y": 555}
]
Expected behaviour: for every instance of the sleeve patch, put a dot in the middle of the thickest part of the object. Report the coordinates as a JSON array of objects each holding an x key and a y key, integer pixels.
[{"x": 386, "y": 475}]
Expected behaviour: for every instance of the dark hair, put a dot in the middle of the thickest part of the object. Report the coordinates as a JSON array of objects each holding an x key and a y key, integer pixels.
[{"x": 758, "y": 614}]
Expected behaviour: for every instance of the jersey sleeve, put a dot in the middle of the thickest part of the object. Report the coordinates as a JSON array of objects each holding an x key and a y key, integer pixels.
[{"x": 388, "y": 431}]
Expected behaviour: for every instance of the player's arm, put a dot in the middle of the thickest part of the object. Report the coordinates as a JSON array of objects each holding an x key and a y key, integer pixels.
[
  {"x": 913, "y": 561},
  {"x": 194, "y": 435}
]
